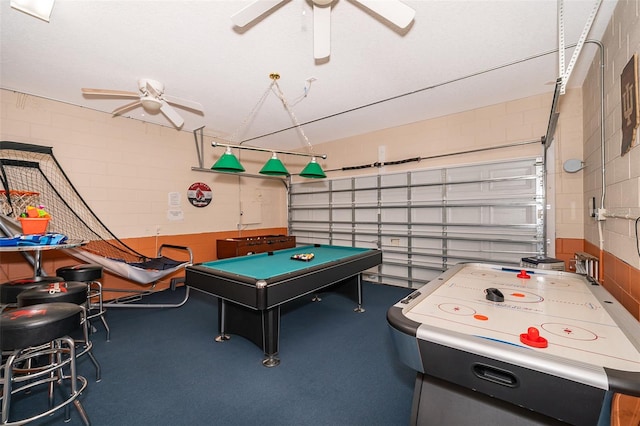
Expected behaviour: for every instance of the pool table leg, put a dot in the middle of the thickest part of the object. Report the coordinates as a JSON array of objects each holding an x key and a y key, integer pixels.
[
  {"x": 349, "y": 285},
  {"x": 271, "y": 361},
  {"x": 271, "y": 336},
  {"x": 222, "y": 308},
  {"x": 261, "y": 327},
  {"x": 359, "y": 309}
]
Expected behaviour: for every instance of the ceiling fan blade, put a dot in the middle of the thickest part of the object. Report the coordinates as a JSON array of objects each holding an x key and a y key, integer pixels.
[
  {"x": 196, "y": 106},
  {"x": 393, "y": 11},
  {"x": 171, "y": 114},
  {"x": 126, "y": 107},
  {"x": 107, "y": 92},
  {"x": 253, "y": 11},
  {"x": 321, "y": 31}
]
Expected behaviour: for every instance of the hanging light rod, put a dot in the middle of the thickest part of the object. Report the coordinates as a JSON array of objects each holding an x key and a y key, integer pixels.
[{"x": 255, "y": 148}]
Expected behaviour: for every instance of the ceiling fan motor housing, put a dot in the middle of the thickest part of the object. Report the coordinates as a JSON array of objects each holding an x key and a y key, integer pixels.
[{"x": 145, "y": 84}]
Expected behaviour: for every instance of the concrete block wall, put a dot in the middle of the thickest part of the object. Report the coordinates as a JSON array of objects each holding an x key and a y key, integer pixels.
[{"x": 614, "y": 240}]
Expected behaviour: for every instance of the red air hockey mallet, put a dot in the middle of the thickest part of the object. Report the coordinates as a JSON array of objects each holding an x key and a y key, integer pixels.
[{"x": 532, "y": 338}]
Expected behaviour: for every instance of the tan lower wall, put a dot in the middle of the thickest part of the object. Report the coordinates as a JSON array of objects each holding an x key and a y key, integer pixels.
[
  {"x": 14, "y": 266},
  {"x": 619, "y": 278}
]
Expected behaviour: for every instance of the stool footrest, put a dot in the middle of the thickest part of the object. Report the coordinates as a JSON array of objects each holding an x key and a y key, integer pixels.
[{"x": 61, "y": 355}]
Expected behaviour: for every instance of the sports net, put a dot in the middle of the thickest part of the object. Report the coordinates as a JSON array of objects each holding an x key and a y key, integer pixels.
[
  {"x": 31, "y": 175},
  {"x": 17, "y": 200}
]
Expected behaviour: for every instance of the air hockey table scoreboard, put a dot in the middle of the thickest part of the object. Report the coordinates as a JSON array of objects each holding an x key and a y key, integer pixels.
[{"x": 521, "y": 343}]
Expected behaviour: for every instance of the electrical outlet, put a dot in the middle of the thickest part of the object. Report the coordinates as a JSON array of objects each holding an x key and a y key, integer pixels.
[{"x": 601, "y": 214}]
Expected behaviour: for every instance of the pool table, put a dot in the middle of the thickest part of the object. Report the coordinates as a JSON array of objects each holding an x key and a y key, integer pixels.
[{"x": 251, "y": 289}]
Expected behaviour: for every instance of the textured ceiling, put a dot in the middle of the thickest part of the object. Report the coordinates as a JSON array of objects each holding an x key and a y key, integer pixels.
[{"x": 455, "y": 56}]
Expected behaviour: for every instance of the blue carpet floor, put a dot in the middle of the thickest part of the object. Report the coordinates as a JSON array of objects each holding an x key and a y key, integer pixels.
[{"x": 163, "y": 367}]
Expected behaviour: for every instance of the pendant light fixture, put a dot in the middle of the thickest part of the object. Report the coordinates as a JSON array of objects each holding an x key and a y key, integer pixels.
[
  {"x": 313, "y": 170},
  {"x": 274, "y": 167},
  {"x": 228, "y": 163}
]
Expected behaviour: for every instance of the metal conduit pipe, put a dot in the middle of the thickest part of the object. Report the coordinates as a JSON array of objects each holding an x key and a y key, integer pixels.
[{"x": 602, "y": 158}]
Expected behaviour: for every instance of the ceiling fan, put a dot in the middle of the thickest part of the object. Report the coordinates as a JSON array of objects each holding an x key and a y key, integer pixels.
[
  {"x": 393, "y": 11},
  {"x": 151, "y": 97}
]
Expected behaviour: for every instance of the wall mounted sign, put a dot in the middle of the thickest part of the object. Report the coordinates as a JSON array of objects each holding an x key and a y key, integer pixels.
[
  {"x": 629, "y": 94},
  {"x": 199, "y": 194},
  {"x": 174, "y": 212}
]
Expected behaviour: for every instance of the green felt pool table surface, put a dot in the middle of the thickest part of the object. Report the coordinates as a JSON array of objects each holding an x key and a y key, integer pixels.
[{"x": 264, "y": 266}]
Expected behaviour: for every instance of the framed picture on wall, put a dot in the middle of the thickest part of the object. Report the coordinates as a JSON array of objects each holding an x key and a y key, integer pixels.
[{"x": 629, "y": 102}]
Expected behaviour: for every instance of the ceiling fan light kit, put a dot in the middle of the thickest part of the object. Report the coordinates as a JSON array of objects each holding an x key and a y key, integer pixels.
[{"x": 151, "y": 104}]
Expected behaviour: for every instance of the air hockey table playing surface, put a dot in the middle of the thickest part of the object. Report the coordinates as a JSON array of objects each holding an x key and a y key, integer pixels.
[{"x": 555, "y": 344}]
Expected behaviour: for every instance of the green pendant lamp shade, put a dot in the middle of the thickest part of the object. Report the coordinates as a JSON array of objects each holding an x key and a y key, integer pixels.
[
  {"x": 228, "y": 163},
  {"x": 274, "y": 167},
  {"x": 313, "y": 170}
]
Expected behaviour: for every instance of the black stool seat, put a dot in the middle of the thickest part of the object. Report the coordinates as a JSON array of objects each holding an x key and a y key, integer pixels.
[
  {"x": 64, "y": 291},
  {"x": 38, "y": 324},
  {"x": 10, "y": 290},
  {"x": 90, "y": 274},
  {"x": 84, "y": 273},
  {"x": 41, "y": 332}
]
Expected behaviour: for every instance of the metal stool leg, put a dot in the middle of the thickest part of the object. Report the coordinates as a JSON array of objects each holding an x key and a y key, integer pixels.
[
  {"x": 62, "y": 354},
  {"x": 88, "y": 345},
  {"x": 95, "y": 291},
  {"x": 7, "y": 377},
  {"x": 74, "y": 384}
]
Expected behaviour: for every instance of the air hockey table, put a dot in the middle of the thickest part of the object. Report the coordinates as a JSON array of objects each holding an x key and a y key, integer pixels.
[
  {"x": 251, "y": 289},
  {"x": 497, "y": 345}
]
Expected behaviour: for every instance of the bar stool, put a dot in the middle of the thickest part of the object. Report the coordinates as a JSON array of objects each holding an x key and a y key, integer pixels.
[
  {"x": 10, "y": 290},
  {"x": 91, "y": 275},
  {"x": 40, "y": 331},
  {"x": 64, "y": 292}
]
